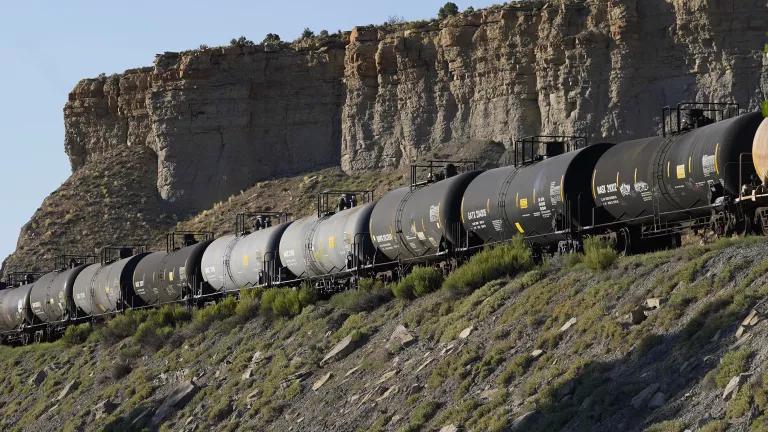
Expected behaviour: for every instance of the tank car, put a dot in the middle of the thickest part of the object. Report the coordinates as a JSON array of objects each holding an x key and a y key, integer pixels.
[
  {"x": 233, "y": 262},
  {"x": 51, "y": 297},
  {"x": 106, "y": 287},
  {"x": 676, "y": 177},
  {"x": 15, "y": 308},
  {"x": 413, "y": 222},
  {"x": 542, "y": 201},
  {"x": 330, "y": 243},
  {"x": 165, "y": 277}
]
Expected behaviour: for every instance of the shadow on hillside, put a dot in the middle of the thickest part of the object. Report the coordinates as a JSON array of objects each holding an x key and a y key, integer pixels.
[
  {"x": 138, "y": 419},
  {"x": 600, "y": 397}
]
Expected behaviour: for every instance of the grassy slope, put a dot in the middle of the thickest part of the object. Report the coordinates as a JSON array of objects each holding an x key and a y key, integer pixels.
[{"x": 585, "y": 378}]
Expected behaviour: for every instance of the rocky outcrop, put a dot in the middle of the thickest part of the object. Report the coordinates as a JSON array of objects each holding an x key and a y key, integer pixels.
[
  {"x": 218, "y": 119},
  {"x": 111, "y": 201},
  {"x": 602, "y": 69}
]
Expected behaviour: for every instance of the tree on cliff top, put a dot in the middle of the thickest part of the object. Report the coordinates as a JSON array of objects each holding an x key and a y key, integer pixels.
[
  {"x": 242, "y": 41},
  {"x": 448, "y": 9},
  {"x": 271, "y": 38},
  {"x": 307, "y": 33}
]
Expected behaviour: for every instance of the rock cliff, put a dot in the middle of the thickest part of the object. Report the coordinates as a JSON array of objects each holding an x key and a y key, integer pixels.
[
  {"x": 602, "y": 69},
  {"x": 218, "y": 119}
]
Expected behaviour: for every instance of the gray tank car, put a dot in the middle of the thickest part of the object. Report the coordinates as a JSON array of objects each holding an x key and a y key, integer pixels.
[
  {"x": 234, "y": 262},
  {"x": 408, "y": 224},
  {"x": 163, "y": 277},
  {"x": 315, "y": 246}
]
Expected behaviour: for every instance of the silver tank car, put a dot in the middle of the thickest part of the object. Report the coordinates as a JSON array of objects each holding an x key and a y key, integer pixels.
[
  {"x": 409, "y": 224},
  {"x": 100, "y": 289},
  {"x": 15, "y": 309},
  {"x": 536, "y": 200},
  {"x": 315, "y": 246},
  {"x": 234, "y": 262},
  {"x": 678, "y": 175},
  {"x": 166, "y": 277},
  {"x": 51, "y": 297}
]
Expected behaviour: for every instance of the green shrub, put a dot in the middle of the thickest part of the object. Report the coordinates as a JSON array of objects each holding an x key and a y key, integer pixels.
[
  {"x": 248, "y": 304},
  {"x": 421, "y": 415},
  {"x": 448, "y": 9},
  {"x": 667, "y": 426},
  {"x": 307, "y": 33},
  {"x": 282, "y": 302},
  {"x": 598, "y": 255},
  {"x": 202, "y": 318},
  {"x": 490, "y": 264},
  {"x": 159, "y": 324},
  {"x": 732, "y": 364},
  {"x": 242, "y": 41},
  {"x": 572, "y": 260},
  {"x": 122, "y": 326},
  {"x": 77, "y": 334},
  {"x": 421, "y": 281},
  {"x": 369, "y": 295}
]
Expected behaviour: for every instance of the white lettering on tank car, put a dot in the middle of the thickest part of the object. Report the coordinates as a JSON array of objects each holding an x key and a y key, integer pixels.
[
  {"x": 554, "y": 192},
  {"x": 477, "y": 214},
  {"x": 708, "y": 165},
  {"x": 497, "y": 224},
  {"x": 434, "y": 213},
  {"x": 384, "y": 238},
  {"x": 625, "y": 189}
]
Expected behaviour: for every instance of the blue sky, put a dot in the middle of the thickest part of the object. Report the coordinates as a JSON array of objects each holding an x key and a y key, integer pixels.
[{"x": 47, "y": 46}]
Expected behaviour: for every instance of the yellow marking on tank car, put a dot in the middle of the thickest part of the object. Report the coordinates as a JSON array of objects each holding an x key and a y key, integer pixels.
[
  {"x": 331, "y": 242},
  {"x": 523, "y": 203},
  {"x": 170, "y": 276},
  {"x": 594, "y": 191},
  {"x": 635, "y": 177},
  {"x": 690, "y": 162},
  {"x": 519, "y": 227},
  {"x": 517, "y": 199},
  {"x": 681, "y": 171},
  {"x": 246, "y": 259},
  {"x": 462, "y": 210},
  {"x": 717, "y": 168}
]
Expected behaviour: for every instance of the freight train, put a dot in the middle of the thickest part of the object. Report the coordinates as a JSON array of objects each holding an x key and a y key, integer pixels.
[{"x": 708, "y": 170}]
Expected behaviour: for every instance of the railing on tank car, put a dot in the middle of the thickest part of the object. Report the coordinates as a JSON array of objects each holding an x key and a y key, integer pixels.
[
  {"x": 527, "y": 150},
  {"x": 259, "y": 220},
  {"x": 347, "y": 199},
  {"x": 687, "y": 116},
  {"x": 430, "y": 171},
  {"x": 187, "y": 238}
]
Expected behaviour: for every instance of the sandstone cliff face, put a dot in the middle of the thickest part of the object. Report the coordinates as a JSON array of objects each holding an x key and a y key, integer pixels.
[
  {"x": 219, "y": 119},
  {"x": 599, "y": 68}
]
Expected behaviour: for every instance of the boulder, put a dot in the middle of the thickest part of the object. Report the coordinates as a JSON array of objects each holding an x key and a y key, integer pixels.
[
  {"x": 176, "y": 399},
  {"x": 637, "y": 315},
  {"x": 568, "y": 324},
  {"x": 520, "y": 423},
  {"x": 247, "y": 374},
  {"x": 68, "y": 389},
  {"x": 449, "y": 428},
  {"x": 641, "y": 398},
  {"x": 466, "y": 332},
  {"x": 323, "y": 379},
  {"x": 400, "y": 338},
  {"x": 732, "y": 387},
  {"x": 38, "y": 378},
  {"x": 489, "y": 394},
  {"x": 653, "y": 303},
  {"x": 537, "y": 353},
  {"x": 104, "y": 408},
  {"x": 340, "y": 350},
  {"x": 259, "y": 357},
  {"x": 657, "y": 400},
  {"x": 751, "y": 319}
]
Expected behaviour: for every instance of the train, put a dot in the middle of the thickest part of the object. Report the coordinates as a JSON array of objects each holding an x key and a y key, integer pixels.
[{"x": 707, "y": 170}]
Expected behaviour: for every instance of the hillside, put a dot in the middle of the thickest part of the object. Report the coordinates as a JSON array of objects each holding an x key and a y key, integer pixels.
[{"x": 665, "y": 341}]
